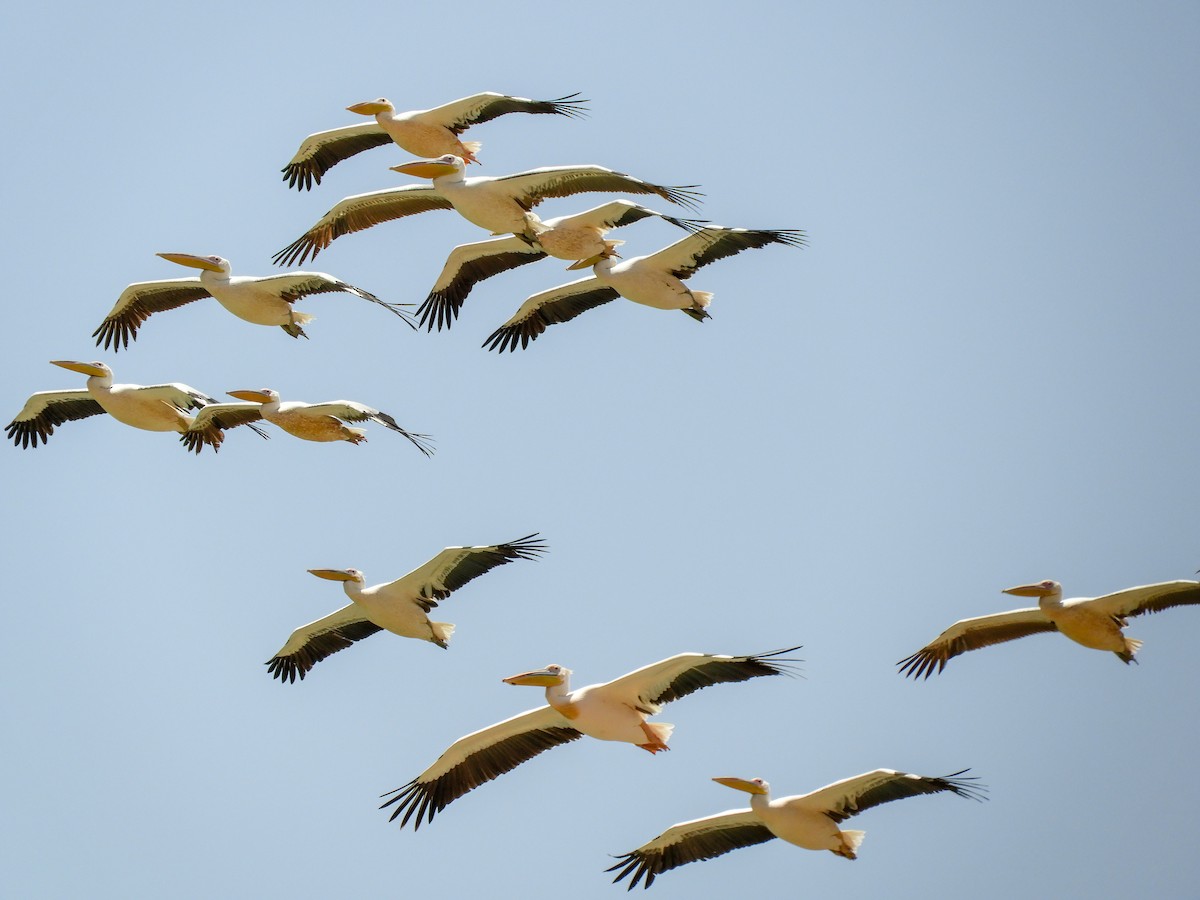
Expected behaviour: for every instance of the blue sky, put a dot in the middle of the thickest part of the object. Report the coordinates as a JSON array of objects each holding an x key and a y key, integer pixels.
[{"x": 980, "y": 373}]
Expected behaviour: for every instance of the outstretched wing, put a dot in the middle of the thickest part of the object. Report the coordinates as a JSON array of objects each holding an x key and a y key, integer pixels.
[
  {"x": 689, "y": 842},
  {"x": 707, "y": 245},
  {"x": 560, "y": 304},
  {"x": 850, "y": 796},
  {"x": 140, "y": 301},
  {"x": 619, "y": 213},
  {"x": 358, "y": 212},
  {"x": 649, "y": 687},
  {"x": 460, "y": 115},
  {"x": 322, "y": 151},
  {"x": 478, "y": 758},
  {"x": 972, "y": 634},
  {"x": 311, "y": 643},
  {"x": 349, "y": 411},
  {"x": 467, "y": 265},
  {"x": 455, "y": 566},
  {"x": 532, "y": 187},
  {"x": 1148, "y": 598},
  {"x": 294, "y": 285},
  {"x": 47, "y": 409}
]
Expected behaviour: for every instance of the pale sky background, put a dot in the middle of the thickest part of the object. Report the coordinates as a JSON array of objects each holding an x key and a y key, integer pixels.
[{"x": 982, "y": 372}]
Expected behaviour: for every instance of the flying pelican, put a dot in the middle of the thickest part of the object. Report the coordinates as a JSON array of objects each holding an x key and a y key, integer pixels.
[
  {"x": 263, "y": 301},
  {"x": 422, "y": 132},
  {"x": 565, "y": 237},
  {"x": 319, "y": 421},
  {"x": 1095, "y": 622},
  {"x": 809, "y": 821},
  {"x": 399, "y": 606},
  {"x": 502, "y": 205},
  {"x": 655, "y": 280},
  {"x": 615, "y": 711},
  {"x": 155, "y": 407}
]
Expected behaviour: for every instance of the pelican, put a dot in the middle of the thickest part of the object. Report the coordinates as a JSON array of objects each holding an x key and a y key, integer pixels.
[
  {"x": 809, "y": 820},
  {"x": 422, "y": 132},
  {"x": 615, "y": 711},
  {"x": 155, "y": 407},
  {"x": 655, "y": 280},
  {"x": 399, "y": 606},
  {"x": 502, "y": 205},
  {"x": 315, "y": 421},
  {"x": 1095, "y": 622},
  {"x": 263, "y": 301},
  {"x": 565, "y": 237}
]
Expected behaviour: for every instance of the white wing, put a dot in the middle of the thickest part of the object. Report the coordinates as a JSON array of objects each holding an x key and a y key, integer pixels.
[
  {"x": 689, "y": 842},
  {"x": 532, "y": 187},
  {"x": 455, "y": 566},
  {"x": 1148, "y": 598},
  {"x": 478, "y": 758},
  {"x": 707, "y": 245},
  {"x": 140, "y": 301},
  {"x": 649, "y": 687},
  {"x": 972, "y": 634},
  {"x": 459, "y": 115},
  {"x": 467, "y": 265},
  {"x": 539, "y": 312},
  {"x": 322, "y": 151},
  {"x": 311, "y": 643},
  {"x": 47, "y": 409},
  {"x": 850, "y": 796}
]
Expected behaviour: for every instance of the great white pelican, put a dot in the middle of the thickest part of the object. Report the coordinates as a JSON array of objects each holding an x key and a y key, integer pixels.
[
  {"x": 264, "y": 301},
  {"x": 501, "y": 205},
  {"x": 154, "y": 407},
  {"x": 615, "y": 711},
  {"x": 564, "y": 237},
  {"x": 322, "y": 421},
  {"x": 1095, "y": 622},
  {"x": 809, "y": 820},
  {"x": 400, "y": 606},
  {"x": 421, "y": 132},
  {"x": 656, "y": 280}
]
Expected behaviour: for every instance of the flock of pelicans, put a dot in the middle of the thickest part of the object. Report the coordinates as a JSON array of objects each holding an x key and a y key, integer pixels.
[{"x": 617, "y": 710}]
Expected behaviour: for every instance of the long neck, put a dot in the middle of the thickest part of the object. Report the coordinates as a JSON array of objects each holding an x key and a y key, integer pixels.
[
  {"x": 759, "y": 802},
  {"x": 559, "y": 694},
  {"x": 1051, "y": 601}
]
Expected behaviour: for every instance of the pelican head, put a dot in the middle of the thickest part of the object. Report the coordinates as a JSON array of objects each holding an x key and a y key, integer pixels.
[
  {"x": 753, "y": 786},
  {"x": 92, "y": 369},
  {"x": 1041, "y": 589},
  {"x": 338, "y": 574},
  {"x": 266, "y": 395},
  {"x": 372, "y": 107},
  {"x": 208, "y": 263},
  {"x": 447, "y": 164},
  {"x": 548, "y": 677}
]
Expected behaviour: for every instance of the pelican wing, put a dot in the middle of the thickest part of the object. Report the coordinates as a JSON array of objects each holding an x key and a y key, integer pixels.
[
  {"x": 688, "y": 842},
  {"x": 619, "y": 213},
  {"x": 460, "y": 115},
  {"x": 322, "y": 151},
  {"x": 849, "y": 797},
  {"x": 467, "y": 265},
  {"x": 649, "y": 687},
  {"x": 1148, "y": 598},
  {"x": 46, "y": 409},
  {"x": 707, "y": 245},
  {"x": 140, "y": 301},
  {"x": 455, "y": 566},
  {"x": 560, "y": 304},
  {"x": 294, "y": 285},
  {"x": 358, "y": 212},
  {"x": 972, "y": 634},
  {"x": 532, "y": 187},
  {"x": 311, "y": 643},
  {"x": 478, "y": 758},
  {"x": 181, "y": 396},
  {"x": 349, "y": 411}
]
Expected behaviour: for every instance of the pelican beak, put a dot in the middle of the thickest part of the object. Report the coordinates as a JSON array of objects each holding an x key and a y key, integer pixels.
[
  {"x": 191, "y": 261},
  {"x": 367, "y": 108},
  {"x": 81, "y": 367},
  {"x": 741, "y": 784},
  {"x": 587, "y": 263},
  {"x": 426, "y": 168},
  {"x": 536, "y": 678},
  {"x": 1026, "y": 590},
  {"x": 332, "y": 574},
  {"x": 252, "y": 397}
]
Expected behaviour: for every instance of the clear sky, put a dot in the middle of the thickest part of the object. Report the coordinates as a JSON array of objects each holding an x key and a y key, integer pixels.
[{"x": 982, "y": 372}]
